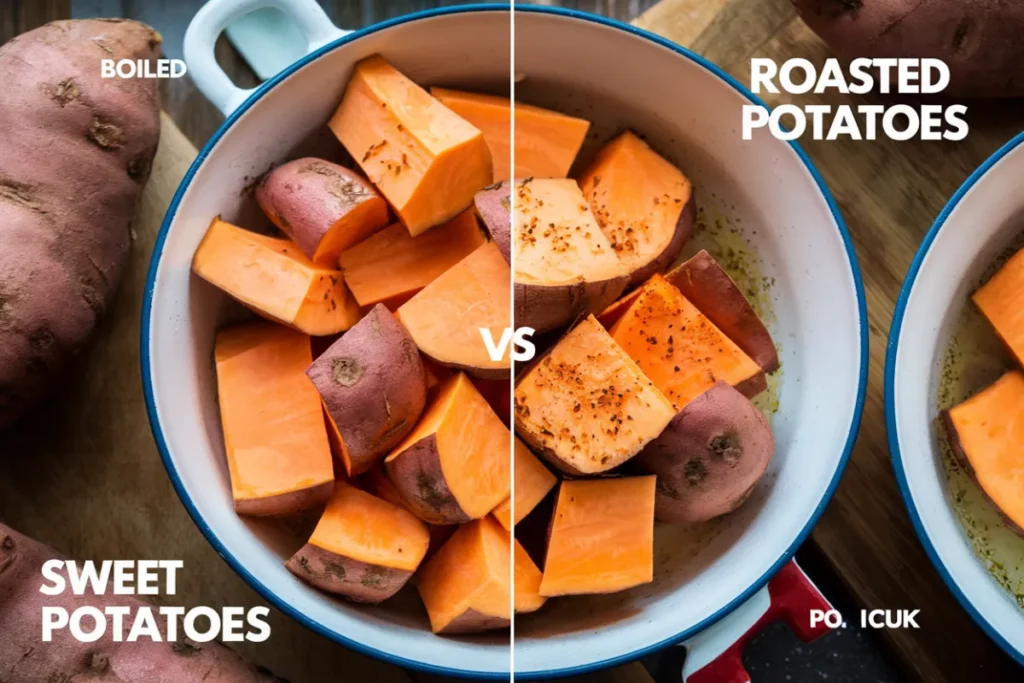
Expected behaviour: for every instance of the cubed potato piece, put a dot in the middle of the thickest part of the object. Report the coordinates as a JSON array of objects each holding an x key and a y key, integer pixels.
[
  {"x": 987, "y": 435},
  {"x": 675, "y": 345},
  {"x": 1001, "y": 300},
  {"x": 565, "y": 267},
  {"x": 642, "y": 202},
  {"x": 424, "y": 158},
  {"x": 323, "y": 207},
  {"x": 533, "y": 481},
  {"x": 274, "y": 278},
  {"x": 602, "y": 537},
  {"x": 363, "y": 548},
  {"x": 465, "y": 586},
  {"x": 274, "y": 435},
  {"x": 527, "y": 578},
  {"x": 373, "y": 387},
  {"x": 586, "y": 407},
  {"x": 454, "y": 466}
]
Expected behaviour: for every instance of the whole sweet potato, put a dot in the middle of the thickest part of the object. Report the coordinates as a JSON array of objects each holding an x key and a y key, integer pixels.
[
  {"x": 76, "y": 152},
  {"x": 979, "y": 40},
  {"x": 24, "y": 658}
]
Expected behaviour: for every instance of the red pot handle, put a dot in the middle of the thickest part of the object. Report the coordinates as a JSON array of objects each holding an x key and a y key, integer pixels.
[{"x": 716, "y": 655}]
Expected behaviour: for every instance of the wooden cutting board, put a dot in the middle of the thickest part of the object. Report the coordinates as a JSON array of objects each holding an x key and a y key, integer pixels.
[{"x": 889, "y": 194}]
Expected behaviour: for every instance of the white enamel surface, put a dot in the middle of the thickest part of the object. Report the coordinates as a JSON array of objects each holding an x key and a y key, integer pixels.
[
  {"x": 186, "y": 312},
  {"x": 689, "y": 114},
  {"x": 981, "y": 225},
  {"x": 692, "y": 116}
]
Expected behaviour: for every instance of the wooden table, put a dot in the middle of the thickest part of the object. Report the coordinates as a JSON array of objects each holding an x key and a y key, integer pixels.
[{"x": 889, "y": 194}]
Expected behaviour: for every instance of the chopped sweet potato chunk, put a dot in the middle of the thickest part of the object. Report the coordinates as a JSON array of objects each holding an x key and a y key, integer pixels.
[
  {"x": 642, "y": 202},
  {"x": 527, "y": 578},
  {"x": 274, "y": 278},
  {"x": 454, "y": 466},
  {"x": 1001, "y": 300},
  {"x": 987, "y": 434},
  {"x": 602, "y": 537},
  {"x": 274, "y": 434},
  {"x": 446, "y": 317},
  {"x": 465, "y": 585},
  {"x": 363, "y": 548},
  {"x": 675, "y": 345},
  {"x": 426, "y": 160},
  {"x": 546, "y": 141},
  {"x": 391, "y": 266},
  {"x": 533, "y": 481},
  {"x": 586, "y": 407}
]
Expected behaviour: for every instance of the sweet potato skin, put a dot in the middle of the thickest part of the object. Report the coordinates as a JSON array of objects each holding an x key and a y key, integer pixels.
[
  {"x": 979, "y": 40},
  {"x": 66, "y": 215},
  {"x": 373, "y": 384},
  {"x": 547, "y": 308},
  {"x": 702, "y": 281},
  {"x": 355, "y": 580},
  {"x": 418, "y": 476},
  {"x": 286, "y": 503},
  {"x": 306, "y": 196},
  {"x": 494, "y": 207},
  {"x": 958, "y": 451},
  {"x": 24, "y": 659},
  {"x": 709, "y": 457}
]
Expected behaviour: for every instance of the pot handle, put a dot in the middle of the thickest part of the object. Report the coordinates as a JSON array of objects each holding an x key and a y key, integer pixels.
[
  {"x": 716, "y": 654},
  {"x": 216, "y": 15}
]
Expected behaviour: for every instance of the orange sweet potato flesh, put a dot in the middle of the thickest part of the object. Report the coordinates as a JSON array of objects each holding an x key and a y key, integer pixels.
[
  {"x": 586, "y": 407},
  {"x": 987, "y": 434},
  {"x": 274, "y": 435},
  {"x": 445, "y": 318},
  {"x": 602, "y": 537},
  {"x": 274, "y": 278},
  {"x": 454, "y": 466},
  {"x": 364, "y": 548},
  {"x": 546, "y": 141},
  {"x": 427, "y": 161},
  {"x": 708, "y": 287},
  {"x": 377, "y": 483},
  {"x": 642, "y": 202},
  {"x": 526, "y": 579},
  {"x": 498, "y": 393},
  {"x": 391, "y": 266},
  {"x": 465, "y": 585},
  {"x": 565, "y": 266},
  {"x": 533, "y": 481},
  {"x": 675, "y": 345},
  {"x": 1001, "y": 300}
]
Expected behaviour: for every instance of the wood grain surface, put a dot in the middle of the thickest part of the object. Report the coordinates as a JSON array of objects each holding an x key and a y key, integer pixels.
[{"x": 889, "y": 194}]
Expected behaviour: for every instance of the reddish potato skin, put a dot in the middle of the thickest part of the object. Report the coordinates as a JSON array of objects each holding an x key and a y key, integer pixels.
[
  {"x": 547, "y": 308},
  {"x": 77, "y": 153},
  {"x": 373, "y": 385},
  {"x": 494, "y": 207},
  {"x": 753, "y": 386},
  {"x": 661, "y": 262},
  {"x": 340, "y": 575},
  {"x": 286, "y": 503},
  {"x": 416, "y": 473},
  {"x": 958, "y": 451},
  {"x": 709, "y": 288},
  {"x": 25, "y": 659},
  {"x": 472, "y": 621},
  {"x": 979, "y": 40},
  {"x": 305, "y": 197},
  {"x": 709, "y": 457}
]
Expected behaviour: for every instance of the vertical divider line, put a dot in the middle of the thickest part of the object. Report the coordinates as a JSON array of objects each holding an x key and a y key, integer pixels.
[{"x": 512, "y": 312}]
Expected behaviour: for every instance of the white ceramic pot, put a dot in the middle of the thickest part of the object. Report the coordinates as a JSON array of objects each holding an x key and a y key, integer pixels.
[
  {"x": 982, "y": 219},
  {"x": 615, "y": 75}
]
